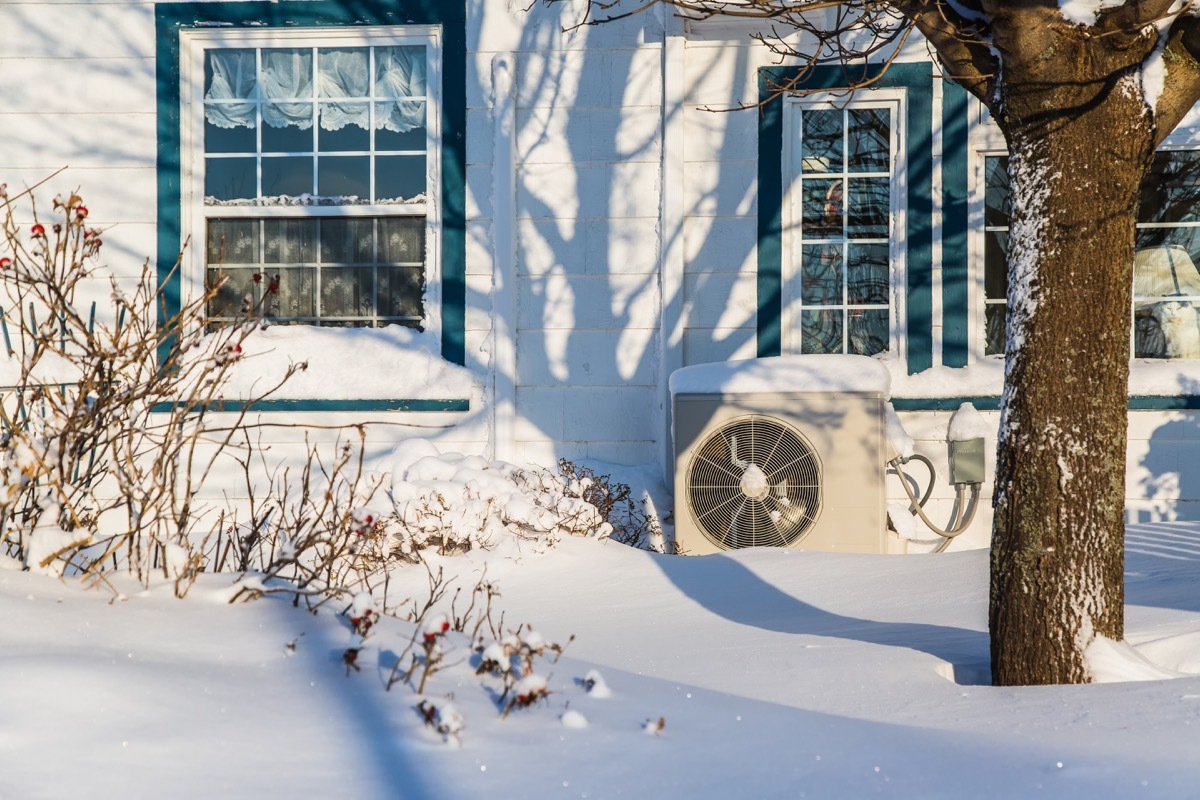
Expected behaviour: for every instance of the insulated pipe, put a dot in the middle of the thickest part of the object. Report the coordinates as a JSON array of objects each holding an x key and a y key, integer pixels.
[{"x": 959, "y": 524}]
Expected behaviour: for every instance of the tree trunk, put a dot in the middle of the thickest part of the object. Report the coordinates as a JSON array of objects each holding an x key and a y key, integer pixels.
[{"x": 1079, "y": 142}]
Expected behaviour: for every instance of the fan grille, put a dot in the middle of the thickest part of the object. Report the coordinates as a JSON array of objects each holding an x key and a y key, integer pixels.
[{"x": 754, "y": 482}]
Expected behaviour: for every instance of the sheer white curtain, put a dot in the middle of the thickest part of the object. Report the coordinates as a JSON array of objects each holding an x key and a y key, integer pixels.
[{"x": 343, "y": 78}]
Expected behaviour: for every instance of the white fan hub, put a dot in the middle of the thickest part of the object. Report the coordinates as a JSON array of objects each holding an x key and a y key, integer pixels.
[{"x": 754, "y": 483}]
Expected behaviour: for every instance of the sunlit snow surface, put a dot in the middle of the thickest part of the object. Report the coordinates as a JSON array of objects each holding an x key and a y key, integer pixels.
[{"x": 776, "y": 674}]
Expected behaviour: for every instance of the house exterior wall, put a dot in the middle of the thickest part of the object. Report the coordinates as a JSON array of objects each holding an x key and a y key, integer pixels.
[{"x": 612, "y": 232}]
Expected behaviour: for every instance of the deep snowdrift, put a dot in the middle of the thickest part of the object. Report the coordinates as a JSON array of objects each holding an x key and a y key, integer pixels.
[{"x": 776, "y": 674}]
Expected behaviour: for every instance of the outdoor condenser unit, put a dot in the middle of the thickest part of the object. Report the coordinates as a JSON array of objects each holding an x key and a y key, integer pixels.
[{"x": 803, "y": 470}]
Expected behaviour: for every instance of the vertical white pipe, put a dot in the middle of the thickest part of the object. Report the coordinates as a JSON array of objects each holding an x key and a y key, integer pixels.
[
  {"x": 671, "y": 216},
  {"x": 504, "y": 258}
]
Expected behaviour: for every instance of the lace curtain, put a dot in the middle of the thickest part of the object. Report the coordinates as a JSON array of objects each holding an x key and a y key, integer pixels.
[{"x": 284, "y": 88}]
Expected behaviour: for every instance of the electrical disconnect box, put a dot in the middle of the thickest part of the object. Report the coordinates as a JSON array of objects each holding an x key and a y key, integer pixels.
[{"x": 966, "y": 461}]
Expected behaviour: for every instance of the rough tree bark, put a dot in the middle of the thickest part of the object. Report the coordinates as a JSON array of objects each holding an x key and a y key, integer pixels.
[
  {"x": 1079, "y": 139},
  {"x": 1082, "y": 114}
]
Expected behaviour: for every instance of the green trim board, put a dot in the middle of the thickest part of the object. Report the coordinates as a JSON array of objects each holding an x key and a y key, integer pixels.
[
  {"x": 956, "y": 285},
  {"x": 171, "y": 18},
  {"x": 917, "y": 79},
  {"x": 361, "y": 406},
  {"x": 992, "y": 403}
]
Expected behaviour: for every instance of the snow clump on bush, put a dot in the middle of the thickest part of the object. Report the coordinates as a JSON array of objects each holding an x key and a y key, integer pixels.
[{"x": 455, "y": 502}]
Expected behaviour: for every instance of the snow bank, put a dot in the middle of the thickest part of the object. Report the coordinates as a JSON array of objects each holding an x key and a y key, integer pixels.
[
  {"x": 458, "y": 502},
  {"x": 347, "y": 364}
]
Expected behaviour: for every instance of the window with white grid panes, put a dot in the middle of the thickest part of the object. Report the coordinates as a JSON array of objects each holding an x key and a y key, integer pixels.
[
  {"x": 842, "y": 251},
  {"x": 313, "y": 186}
]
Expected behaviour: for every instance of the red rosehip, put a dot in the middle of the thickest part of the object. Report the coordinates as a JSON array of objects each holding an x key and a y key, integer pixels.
[
  {"x": 38, "y": 229},
  {"x": 5, "y": 262},
  {"x": 81, "y": 212}
]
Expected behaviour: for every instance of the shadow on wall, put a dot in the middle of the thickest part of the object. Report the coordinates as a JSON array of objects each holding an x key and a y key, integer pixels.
[{"x": 1170, "y": 477}]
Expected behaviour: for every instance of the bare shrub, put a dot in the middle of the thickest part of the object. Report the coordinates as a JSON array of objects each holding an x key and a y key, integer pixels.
[
  {"x": 631, "y": 522},
  {"x": 106, "y": 436}
]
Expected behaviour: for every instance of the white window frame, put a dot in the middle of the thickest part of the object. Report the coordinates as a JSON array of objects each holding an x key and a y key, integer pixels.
[
  {"x": 895, "y": 100},
  {"x": 985, "y": 141},
  {"x": 194, "y": 213}
]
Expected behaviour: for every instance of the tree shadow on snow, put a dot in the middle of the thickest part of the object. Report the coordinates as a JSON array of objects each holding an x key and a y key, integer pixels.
[
  {"x": 729, "y": 589},
  {"x": 380, "y": 757},
  {"x": 1161, "y": 562}
]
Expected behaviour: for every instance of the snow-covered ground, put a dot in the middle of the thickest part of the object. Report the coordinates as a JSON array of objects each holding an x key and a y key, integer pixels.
[{"x": 775, "y": 673}]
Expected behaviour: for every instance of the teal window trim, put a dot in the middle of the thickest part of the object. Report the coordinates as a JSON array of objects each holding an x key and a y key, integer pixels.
[
  {"x": 358, "y": 406},
  {"x": 956, "y": 274},
  {"x": 917, "y": 79},
  {"x": 992, "y": 403},
  {"x": 171, "y": 18}
]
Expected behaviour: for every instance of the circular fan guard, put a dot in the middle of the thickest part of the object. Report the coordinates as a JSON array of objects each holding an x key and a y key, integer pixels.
[{"x": 754, "y": 482}]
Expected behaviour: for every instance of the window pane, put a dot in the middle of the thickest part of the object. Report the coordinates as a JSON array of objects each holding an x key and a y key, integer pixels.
[
  {"x": 868, "y": 331},
  {"x": 347, "y": 292},
  {"x": 994, "y": 321},
  {"x": 821, "y": 141},
  {"x": 347, "y": 178},
  {"x": 821, "y": 275},
  {"x": 821, "y": 331},
  {"x": 398, "y": 136},
  {"x": 402, "y": 239},
  {"x": 343, "y": 72},
  {"x": 290, "y": 241},
  {"x": 399, "y": 177},
  {"x": 286, "y": 176},
  {"x": 294, "y": 293},
  {"x": 1166, "y": 329},
  {"x": 997, "y": 201},
  {"x": 869, "y": 136},
  {"x": 232, "y": 241},
  {"x": 400, "y": 290},
  {"x": 234, "y": 295},
  {"x": 288, "y": 129},
  {"x": 400, "y": 71},
  {"x": 343, "y": 127},
  {"x": 347, "y": 241},
  {"x": 230, "y": 179},
  {"x": 1171, "y": 191},
  {"x": 995, "y": 265},
  {"x": 868, "y": 207},
  {"x": 822, "y": 214},
  {"x": 1186, "y": 239},
  {"x": 867, "y": 274},
  {"x": 239, "y": 139},
  {"x": 287, "y": 73}
]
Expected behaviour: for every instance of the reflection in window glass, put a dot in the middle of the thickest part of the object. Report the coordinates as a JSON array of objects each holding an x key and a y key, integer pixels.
[
  {"x": 1166, "y": 283},
  {"x": 845, "y": 225},
  {"x": 869, "y": 136},
  {"x": 352, "y": 271}
]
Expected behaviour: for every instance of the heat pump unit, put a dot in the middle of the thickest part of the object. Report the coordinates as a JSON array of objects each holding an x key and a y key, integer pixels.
[{"x": 802, "y": 470}]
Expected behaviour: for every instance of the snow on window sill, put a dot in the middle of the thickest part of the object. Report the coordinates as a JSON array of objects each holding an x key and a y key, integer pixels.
[
  {"x": 347, "y": 364},
  {"x": 312, "y": 200}
]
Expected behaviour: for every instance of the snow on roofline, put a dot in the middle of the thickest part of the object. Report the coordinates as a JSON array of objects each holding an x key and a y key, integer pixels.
[{"x": 809, "y": 373}]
